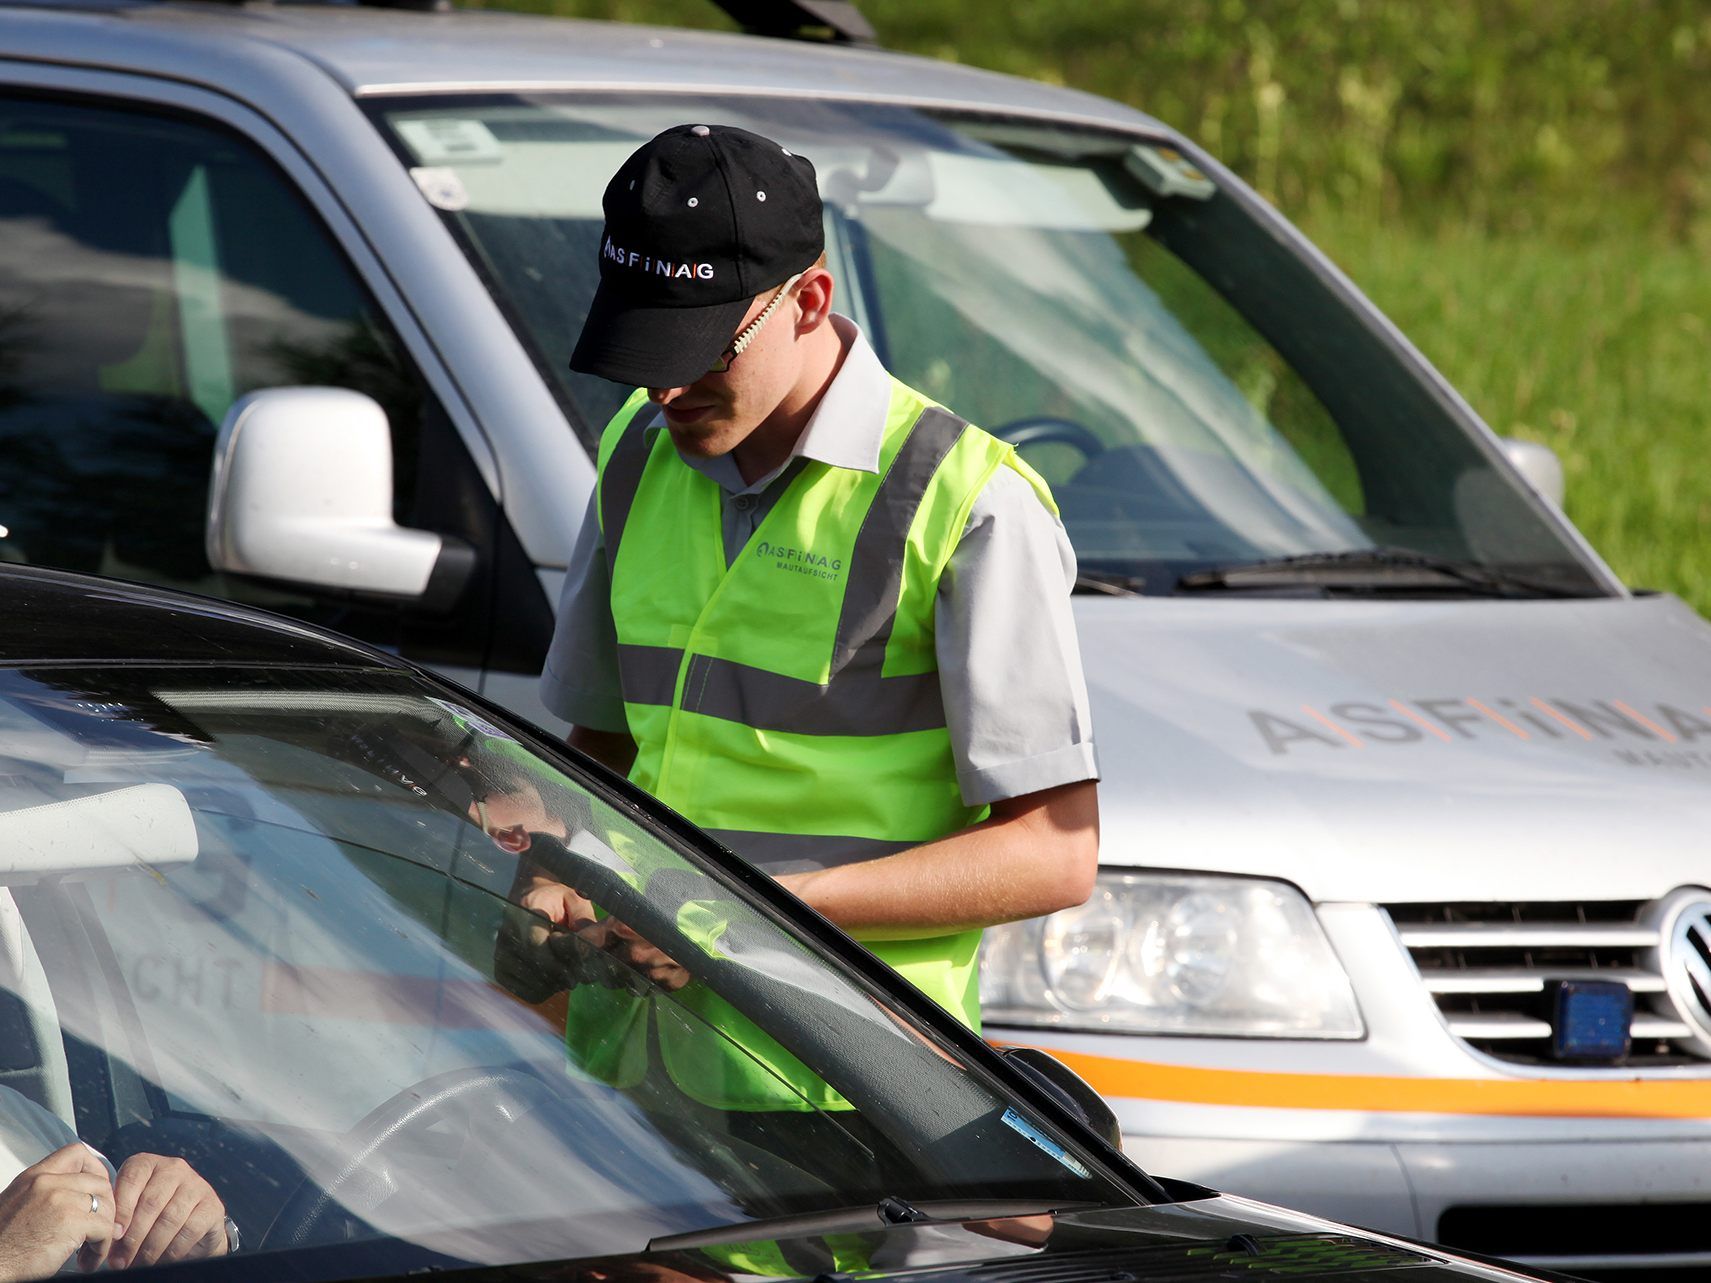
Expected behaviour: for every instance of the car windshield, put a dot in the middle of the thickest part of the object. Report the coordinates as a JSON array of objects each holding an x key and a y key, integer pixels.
[
  {"x": 267, "y": 922},
  {"x": 1195, "y": 392}
]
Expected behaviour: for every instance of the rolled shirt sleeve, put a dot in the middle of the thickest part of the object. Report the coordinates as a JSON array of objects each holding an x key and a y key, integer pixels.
[
  {"x": 29, "y": 1133},
  {"x": 1009, "y": 663},
  {"x": 580, "y": 679}
]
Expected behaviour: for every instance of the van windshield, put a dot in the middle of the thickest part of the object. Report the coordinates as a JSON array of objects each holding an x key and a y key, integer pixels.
[{"x": 1196, "y": 394}]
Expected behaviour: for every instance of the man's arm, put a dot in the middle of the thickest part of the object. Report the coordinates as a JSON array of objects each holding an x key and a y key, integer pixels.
[
  {"x": 1034, "y": 855},
  {"x": 1017, "y": 708},
  {"x": 579, "y": 680}
]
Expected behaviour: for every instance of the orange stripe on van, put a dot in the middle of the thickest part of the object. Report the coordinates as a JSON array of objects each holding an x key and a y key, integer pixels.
[
  {"x": 1350, "y": 736},
  {"x": 1553, "y": 1098}
]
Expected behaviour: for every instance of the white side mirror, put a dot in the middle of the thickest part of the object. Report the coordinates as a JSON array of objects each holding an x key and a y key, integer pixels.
[
  {"x": 302, "y": 492},
  {"x": 1539, "y": 464}
]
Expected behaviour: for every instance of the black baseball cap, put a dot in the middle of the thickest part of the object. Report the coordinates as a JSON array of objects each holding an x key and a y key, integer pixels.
[{"x": 699, "y": 221}]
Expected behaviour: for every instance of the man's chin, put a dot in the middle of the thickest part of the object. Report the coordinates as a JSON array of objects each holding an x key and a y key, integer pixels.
[{"x": 702, "y": 440}]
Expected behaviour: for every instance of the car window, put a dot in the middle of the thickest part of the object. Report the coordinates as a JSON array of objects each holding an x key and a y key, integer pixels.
[
  {"x": 279, "y": 928},
  {"x": 154, "y": 269}
]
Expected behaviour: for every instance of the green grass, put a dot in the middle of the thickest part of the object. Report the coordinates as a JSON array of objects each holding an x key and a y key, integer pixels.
[{"x": 1601, "y": 350}]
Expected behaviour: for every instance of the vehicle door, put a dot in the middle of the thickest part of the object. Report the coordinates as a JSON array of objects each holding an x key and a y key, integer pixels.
[{"x": 163, "y": 253}]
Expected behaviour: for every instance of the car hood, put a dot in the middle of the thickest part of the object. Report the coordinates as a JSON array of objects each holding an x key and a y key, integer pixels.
[
  {"x": 1396, "y": 751},
  {"x": 1207, "y": 1238}
]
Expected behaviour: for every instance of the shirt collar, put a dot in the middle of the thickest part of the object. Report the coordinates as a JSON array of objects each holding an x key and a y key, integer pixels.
[{"x": 846, "y": 429}]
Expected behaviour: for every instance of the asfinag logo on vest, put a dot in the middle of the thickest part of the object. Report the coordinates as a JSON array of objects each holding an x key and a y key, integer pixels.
[{"x": 803, "y": 561}]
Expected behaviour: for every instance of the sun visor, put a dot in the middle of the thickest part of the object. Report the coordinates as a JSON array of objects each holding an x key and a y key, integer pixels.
[{"x": 142, "y": 826}]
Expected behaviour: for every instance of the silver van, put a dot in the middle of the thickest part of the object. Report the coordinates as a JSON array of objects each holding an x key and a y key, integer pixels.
[{"x": 1404, "y": 914}]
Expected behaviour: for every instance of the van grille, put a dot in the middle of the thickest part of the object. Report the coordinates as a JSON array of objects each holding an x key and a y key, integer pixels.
[{"x": 1488, "y": 967}]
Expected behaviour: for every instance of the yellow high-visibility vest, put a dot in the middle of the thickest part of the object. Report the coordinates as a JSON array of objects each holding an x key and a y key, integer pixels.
[{"x": 788, "y": 701}]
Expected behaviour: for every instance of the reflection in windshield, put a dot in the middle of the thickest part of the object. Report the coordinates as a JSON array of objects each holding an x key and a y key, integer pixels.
[
  {"x": 286, "y": 948},
  {"x": 1216, "y": 445},
  {"x": 1193, "y": 392}
]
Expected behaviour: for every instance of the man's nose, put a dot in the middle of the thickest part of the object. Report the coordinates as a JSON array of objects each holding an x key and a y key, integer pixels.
[{"x": 665, "y": 396}]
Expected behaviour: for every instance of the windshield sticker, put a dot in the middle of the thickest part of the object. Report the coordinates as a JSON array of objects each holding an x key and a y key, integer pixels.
[
  {"x": 443, "y": 188},
  {"x": 451, "y": 140},
  {"x": 1016, "y": 1123},
  {"x": 1642, "y": 734},
  {"x": 473, "y": 721}
]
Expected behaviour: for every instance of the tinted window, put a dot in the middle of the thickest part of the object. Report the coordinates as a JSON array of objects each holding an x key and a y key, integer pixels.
[{"x": 152, "y": 271}]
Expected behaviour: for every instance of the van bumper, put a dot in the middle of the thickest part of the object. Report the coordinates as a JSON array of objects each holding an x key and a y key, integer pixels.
[{"x": 1572, "y": 1205}]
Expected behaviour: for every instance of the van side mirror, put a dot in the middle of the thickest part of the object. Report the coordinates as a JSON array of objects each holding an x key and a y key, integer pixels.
[
  {"x": 1069, "y": 1088},
  {"x": 1539, "y": 464},
  {"x": 302, "y": 492}
]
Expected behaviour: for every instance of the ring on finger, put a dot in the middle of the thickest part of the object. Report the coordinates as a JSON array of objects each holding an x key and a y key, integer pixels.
[{"x": 94, "y": 1204}]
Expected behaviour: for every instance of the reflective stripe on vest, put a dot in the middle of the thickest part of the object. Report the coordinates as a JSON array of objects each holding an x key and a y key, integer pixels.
[
  {"x": 789, "y": 701},
  {"x": 858, "y": 699}
]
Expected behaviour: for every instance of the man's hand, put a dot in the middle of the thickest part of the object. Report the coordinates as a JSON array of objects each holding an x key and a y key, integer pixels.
[
  {"x": 622, "y": 942},
  {"x": 45, "y": 1215},
  {"x": 564, "y": 907},
  {"x": 526, "y": 959},
  {"x": 538, "y": 956},
  {"x": 167, "y": 1213}
]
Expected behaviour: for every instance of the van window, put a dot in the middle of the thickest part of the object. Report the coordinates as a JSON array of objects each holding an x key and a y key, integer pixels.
[
  {"x": 154, "y": 269},
  {"x": 1197, "y": 393}
]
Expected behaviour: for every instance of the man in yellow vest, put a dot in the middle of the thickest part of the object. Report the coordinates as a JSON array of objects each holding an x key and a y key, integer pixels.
[{"x": 812, "y": 610}]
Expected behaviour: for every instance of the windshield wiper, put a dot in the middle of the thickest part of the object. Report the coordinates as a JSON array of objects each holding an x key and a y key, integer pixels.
[
  {"x": 1383, "y": 569},
  {"x": 888, "y": 1212},
  {"x": 1109, "y": 582}
]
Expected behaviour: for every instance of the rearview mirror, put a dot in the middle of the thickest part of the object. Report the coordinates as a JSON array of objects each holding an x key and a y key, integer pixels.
[
  {"x": 1539, "y": 464},
  {"x": 302, "y": 492}
]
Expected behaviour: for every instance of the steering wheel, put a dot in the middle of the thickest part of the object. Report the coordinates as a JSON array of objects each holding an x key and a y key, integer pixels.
[
  {"x": 1038, "y": 429},
  {"x": 483, "y": 1101},
  {"x": 474, "y": 1097}
]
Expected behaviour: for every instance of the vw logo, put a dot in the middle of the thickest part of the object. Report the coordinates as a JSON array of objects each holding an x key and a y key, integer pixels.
[{"x": 1684, "y": 961}]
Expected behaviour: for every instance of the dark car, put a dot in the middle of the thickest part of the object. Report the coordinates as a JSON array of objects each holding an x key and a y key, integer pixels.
[{"x": 257, "y": 910}]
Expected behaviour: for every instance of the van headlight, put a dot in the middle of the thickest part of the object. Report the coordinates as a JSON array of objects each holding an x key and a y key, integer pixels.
[{"x": 1171, "y": 954}]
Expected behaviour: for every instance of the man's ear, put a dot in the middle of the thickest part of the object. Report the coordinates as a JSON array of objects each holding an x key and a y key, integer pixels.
[{"x": 813, "y": 300}]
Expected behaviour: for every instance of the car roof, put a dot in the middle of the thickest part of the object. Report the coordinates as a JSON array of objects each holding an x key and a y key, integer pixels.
[
  {"x": 381, "y": 51},
  {"x": 56, "y": 617}
]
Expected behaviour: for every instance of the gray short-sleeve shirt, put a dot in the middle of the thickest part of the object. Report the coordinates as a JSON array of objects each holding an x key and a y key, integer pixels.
[{"x": 1009, "y": 665}]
